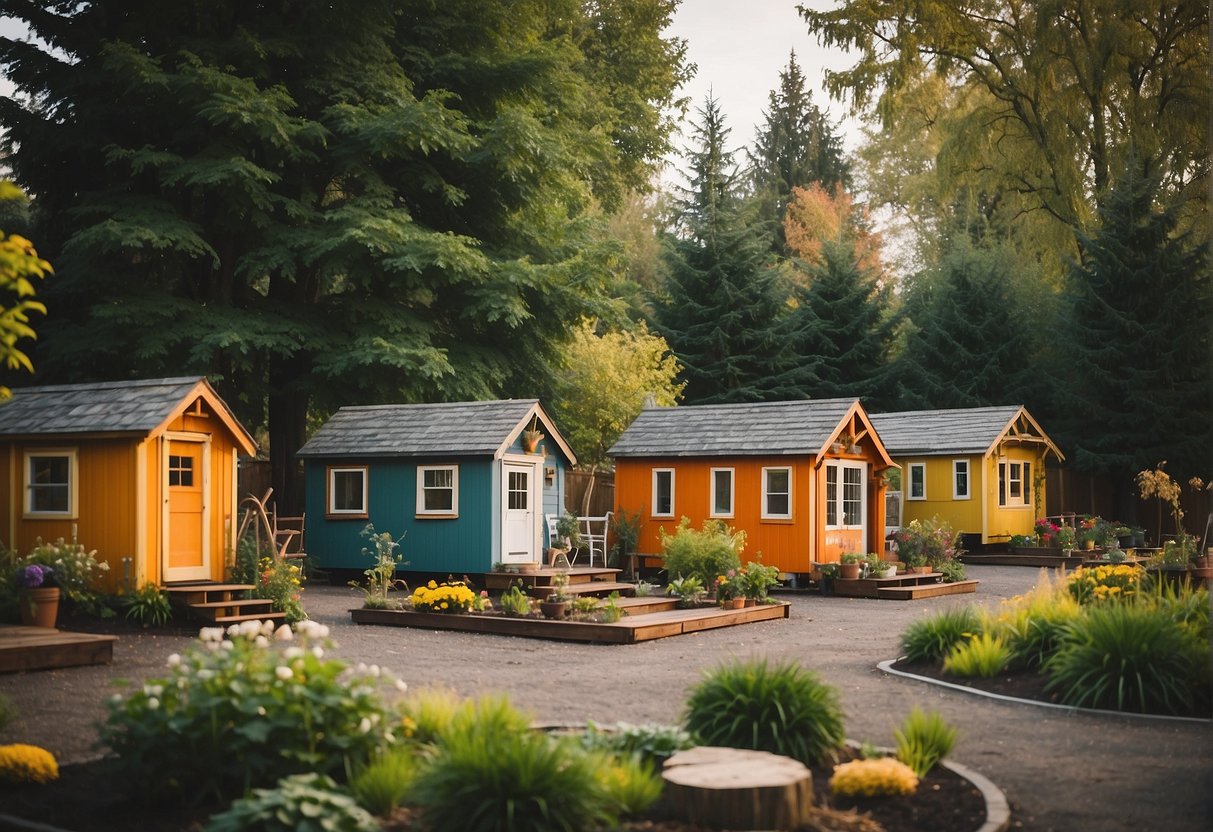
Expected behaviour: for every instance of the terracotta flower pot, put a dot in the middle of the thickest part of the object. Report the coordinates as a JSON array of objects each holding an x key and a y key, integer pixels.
[
  {"x": 40, "y": 607},
  {"x": 552, "y": 609},
  {"x": 921, "y": 570},
  {"x": 849, "y": 571},
  {"x": 736, "y": 603}
]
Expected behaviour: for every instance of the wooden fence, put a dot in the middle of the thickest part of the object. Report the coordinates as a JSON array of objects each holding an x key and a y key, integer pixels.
[{"x": 602, "y": 499}]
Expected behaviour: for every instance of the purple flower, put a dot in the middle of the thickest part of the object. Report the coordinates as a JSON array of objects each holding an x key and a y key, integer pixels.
[{"x": 35, "y": 575}]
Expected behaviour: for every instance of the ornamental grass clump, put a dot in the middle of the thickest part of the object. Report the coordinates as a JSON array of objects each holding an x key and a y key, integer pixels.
[
  {"x": 630, "y": 784},
  {"x": 923, "y": 740},
  {"x": 704, "y": 553},
  {"x": 20, "y": 763},
  {"x": 384, "y": 783},
  {"x": 983, "y": 655},
  {"x": 930, "y": 639},
  {"x": 300, "y": 803},
  {"x": 781, "y": 708},
  {"x": 878, "y": 777},
  {"x": 270, "y": 699},
  {"x": 1032, "y": 624}
]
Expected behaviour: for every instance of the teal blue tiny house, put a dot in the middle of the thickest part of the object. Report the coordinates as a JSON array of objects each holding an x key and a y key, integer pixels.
[{"x": 459, "y": 482}]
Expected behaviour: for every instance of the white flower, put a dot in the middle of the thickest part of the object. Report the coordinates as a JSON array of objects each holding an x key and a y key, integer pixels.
[
  {"x": 284, "y": 633},
  {"x": 364, "y": 726},
  {"x": 318, "y": 651},
  {"x": 401, "y": 685},
  {"x": 206, "y": 673},
  {"x": 283, "y": 672},
  {"x": 116, "y": 698},
  {"x": 374, "y": 670},
  {"x": 226, "y": 644},
  {"x": 267, "y": 628},
  {"x": 250, "y": 628},
  {"x": 261, "y": 711},
  {"x": 233, "y": 630},
  {"x": 153, "y": 703},
  {"x": 293, "y": 653},
  {"x": 153, "y": 690},
  {"x": 211, "y": 633},
  {"x": 360, "y": 668},
  {"x": 174, "y": 660},
  {"x": 262, "y": 641}
]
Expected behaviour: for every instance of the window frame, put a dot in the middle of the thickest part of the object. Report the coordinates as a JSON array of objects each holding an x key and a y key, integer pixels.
[
  {"x": 968, "y": 475},
  {"x": 838, "y": 504},
  {"x": 423, "y": 513},
  {"x": 653, "y": 512},
  {"x": 715, "y": 510},
  {"x": 921, "y": 467},
  {"x": 73, "y": 484},
  {"x": 330, "y": 510},
  {"x": 1005, "y": 468},
  {"x": 765, "y": 514}
]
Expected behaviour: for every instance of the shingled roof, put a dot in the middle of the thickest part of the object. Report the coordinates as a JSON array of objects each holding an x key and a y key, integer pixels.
[
  {"x": 425, "y": 430},
  {"x": 755, "y": 429},
  {"x": 971, "y": 430},
  {"x": 103, "y": 407}
]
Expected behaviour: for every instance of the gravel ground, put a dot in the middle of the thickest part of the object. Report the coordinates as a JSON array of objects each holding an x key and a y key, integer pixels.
[{"x": 1060, "y": 770}]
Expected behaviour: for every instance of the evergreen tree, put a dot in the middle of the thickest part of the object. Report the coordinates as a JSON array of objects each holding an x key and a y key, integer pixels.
[
  {"x": 796, "y": 146},
  {"x": 723, "y": 314},
  {"x": 968, "y": 342},
  {"x": 1136, "y": 378},
  {"x": 842, "y": 329}
]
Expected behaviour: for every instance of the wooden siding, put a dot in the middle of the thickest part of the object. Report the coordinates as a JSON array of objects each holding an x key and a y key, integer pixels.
[
  {"x": 963, "y": 515},
  {"x": 428, "y": 545},
  {"x": 1005, "y": 521}
]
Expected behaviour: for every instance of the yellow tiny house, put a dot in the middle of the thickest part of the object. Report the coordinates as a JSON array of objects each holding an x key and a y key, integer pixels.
[
  {"x": 982, "y": 469},
  {"x": 142, "y": 471}
]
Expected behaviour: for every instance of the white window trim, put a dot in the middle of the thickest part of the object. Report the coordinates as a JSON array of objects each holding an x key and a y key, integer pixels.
[
  {"x": 956, "y": 495},
  {"x": 732, "y": 472},
  {"x": 330, "y": 493},
  {"x": 1005, "y": 500},
  {"x": 73, "y": 485},
  {"x": 921, "y": 466},
  {"x": 653, "y": 504},
  {"x": 839, "y": 508},
  {"x": 791, "y": 492},
  {"x": 453, "y": 511}
]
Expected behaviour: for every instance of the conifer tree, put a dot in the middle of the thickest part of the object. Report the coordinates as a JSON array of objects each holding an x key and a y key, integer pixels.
[{"x": 723, "y": 313}]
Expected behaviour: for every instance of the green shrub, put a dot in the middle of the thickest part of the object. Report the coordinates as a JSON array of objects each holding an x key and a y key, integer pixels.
[
  {"x": 651, "y": 742},
  {"x": 780, "y": 708},
  {"x": 301, "y": 803},
  {"x": 689, "y": 591},
  {"x": 515, "y": 602},
  {"x": 630, "y": 784},
  {"x": 930, "y": 639},
  {"x": 923, "y": 740},
  {"x": 702, "y": 554},
  {"x": 269, "y": 699},
  {"x": 486, "y": 777},
  {"x": 1184, "y": 604},
  {"x": 984, "y": 655},
  {"x": 149, "y": 606},
  {"x": 1032, "y": 624},
  {"x": 281, "y": 583},
  {"x": 1129, "y": 657},
  {"x": 381, "y": 576},
  {"x": 429, "y": 712},
  {"x": 76, "y": 569},
  {"x": 386, "y": 781},
  {"x": 952, "y": 570}
]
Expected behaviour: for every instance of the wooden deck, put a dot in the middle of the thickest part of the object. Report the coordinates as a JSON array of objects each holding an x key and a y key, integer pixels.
[
  {"x": 41, "y": 648},
  {"x": 904, "y": 586},
  {"x": 631, "y": 629},
  {"x": 1033, "y": 557}
]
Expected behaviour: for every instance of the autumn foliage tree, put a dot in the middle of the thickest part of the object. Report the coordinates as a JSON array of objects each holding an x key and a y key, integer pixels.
[
  {"x": 816, "y": 216},
  {"x": 20, "y": 267}
]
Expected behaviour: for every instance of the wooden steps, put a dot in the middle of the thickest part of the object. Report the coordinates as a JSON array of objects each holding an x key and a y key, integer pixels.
[
  {"x": 914, "y": 592},
  {"x": 219, "y": 603},
  {"x": 43, "y": 648}
]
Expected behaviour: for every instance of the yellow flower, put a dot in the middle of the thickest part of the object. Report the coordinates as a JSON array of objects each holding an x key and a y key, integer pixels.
[{"x": 27, "y": 764}]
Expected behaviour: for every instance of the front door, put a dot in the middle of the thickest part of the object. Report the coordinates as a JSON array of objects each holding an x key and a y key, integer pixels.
[
  {"x": 185, "y": 544},
  {"x": 519, "y": 514}
]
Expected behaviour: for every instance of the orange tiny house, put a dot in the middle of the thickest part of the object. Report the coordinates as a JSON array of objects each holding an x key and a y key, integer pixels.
[
  {"x": 142, "y": 471},
  {"x": 803, "y": 479},
  {"x": 982, "y": 469}
]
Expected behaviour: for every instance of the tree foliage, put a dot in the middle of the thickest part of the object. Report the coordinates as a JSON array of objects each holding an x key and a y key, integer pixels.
[
  {"x": 317, "y": 203},
  {"x": 20, "y": 267},
  {"x": 816, "y": 216}
]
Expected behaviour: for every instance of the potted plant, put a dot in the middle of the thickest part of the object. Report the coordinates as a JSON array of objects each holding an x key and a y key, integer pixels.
[
  {"x": 849, "y": 566},
  {"x": 1065, "y": 538},
  {"x": 556, "y": 603},
  {"x": 758, "y": 579},
  {"x": 531, "y": 437},
  {"x": 688, "y": 591},
  {"x": 39, "y": 595},
  {"x": 829, "y": 572},
  {"x": 877, "y": 568},
  {"x": 730, "y": 589},
  {"x": 568, "y": 532}
]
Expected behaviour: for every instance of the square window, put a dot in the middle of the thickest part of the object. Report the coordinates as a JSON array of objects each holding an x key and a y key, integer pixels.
[
  {"x": 438, "y": 490},
  {"x": 663, "y": 492},
  {"x": 347, "y": 492},
  {"x": 777, "y": 493},
  {"x": 181, "y": 471},
  {"x": 50, "y": 483}
]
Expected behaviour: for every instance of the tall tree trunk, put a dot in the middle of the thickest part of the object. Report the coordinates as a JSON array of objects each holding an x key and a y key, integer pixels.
[
  {"x": 589, "y": 490},
  {"x": 288, "y": 430}
]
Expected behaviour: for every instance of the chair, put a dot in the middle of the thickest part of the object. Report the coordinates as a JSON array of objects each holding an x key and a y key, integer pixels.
[{"x": 594, "y": 535}]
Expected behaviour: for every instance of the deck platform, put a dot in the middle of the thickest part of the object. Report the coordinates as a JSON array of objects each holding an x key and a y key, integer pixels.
[
  {"x": 631, "y": 629},
  {"x": 902, "y": 587},
  {"x": 42, "y": 648}
]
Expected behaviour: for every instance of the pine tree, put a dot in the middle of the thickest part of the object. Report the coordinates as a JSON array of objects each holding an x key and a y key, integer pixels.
[
  {"x": 723, "y": 314},
  {"x": 1136, "y": 378},
  {"x": 795, "y": 147}
]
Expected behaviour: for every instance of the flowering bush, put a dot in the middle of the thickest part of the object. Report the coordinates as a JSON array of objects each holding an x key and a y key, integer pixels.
[
  {"x": 281, "y": 582},
  {"x": 925, "y": 542},
  {"x": 730, "y": 585},
  {"x": 1065, "y": 537},
  {"x": 1105, "y": 583},
  {"x": 269, "y": 699},
  {"x": 35, "y": 575},
  {"x": 74, "y": 568},
  {"x": 1046, "y": 531},
  {"x": 873, "y": 778},
  {"x": 27, "y": 764},
  {"x": 448, "y": 597}
]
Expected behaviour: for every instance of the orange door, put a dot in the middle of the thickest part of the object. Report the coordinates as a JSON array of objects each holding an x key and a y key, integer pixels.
[{"x": 185, "y": 545}]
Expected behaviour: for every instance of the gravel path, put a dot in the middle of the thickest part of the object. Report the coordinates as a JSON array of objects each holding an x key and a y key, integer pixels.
[{"x": 1060, "y": 770}]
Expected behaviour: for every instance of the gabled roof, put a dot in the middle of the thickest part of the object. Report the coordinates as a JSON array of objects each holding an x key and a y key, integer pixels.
[
  {"x": 970, "y": 430},
  {"x": 756, "y": 429},
  {"x": 142, "y": 407},
  {"x": 429, "y": 430}
]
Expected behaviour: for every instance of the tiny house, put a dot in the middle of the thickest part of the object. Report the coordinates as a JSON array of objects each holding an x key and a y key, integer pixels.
[
  {"x": 142, "y": 471},
  {"x": 982, "y": 469},
  {"x": 803, "y": 479},
  {"x": 465, "y": 484}
]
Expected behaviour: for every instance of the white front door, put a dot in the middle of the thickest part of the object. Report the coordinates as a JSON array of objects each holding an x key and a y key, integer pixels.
[{"x": 519, "y": 513}]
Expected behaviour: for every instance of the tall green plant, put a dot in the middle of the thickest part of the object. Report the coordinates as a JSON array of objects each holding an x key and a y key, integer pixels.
[
  {"x": 930, "y": 639},
  {"x": 923, "y": 740},
  {"x": 704, "y": 553}
]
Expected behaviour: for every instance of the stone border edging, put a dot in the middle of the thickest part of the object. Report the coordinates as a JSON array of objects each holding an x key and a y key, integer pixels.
[
  {"x": 887, "y": 667},
  {"x": 998, "y": 811}
]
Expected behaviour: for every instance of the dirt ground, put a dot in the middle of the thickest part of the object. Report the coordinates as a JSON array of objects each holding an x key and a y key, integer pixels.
[{"x": 1060, "y": 770}]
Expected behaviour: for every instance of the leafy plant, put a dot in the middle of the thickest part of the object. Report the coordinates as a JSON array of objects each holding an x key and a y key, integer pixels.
[
  {"x": 951, "y": 569},
  {"x": 281, "y": 583},
  {"x": 609, "y": 611},
  {"x": 757, "y": 579},
  {"x": 381, "y": 577},
  {"x": 385, "y": 782},
  {"x": 627, "y": 534},
  {"x": 644, "y": 589},
  {"x": 568, "y": 529},
  {"x": 923, "y": 542},
  {"x": 430, "y": 712},
  {"x": 307, "y": 802},
  {"x": 930, "y": 639},
  {"x": 1130, "y": 657},
  {"x": 1032, "y": 625},
  {"x": 75, "y": 570},
  {"x": 780, "y": 708},
  {"x": 877, "y": 777},
  {"x": 149, "y": 606},
  {"x": 689, "y": 591},
  {"x": 269, "y": 698},
  {"x": 630, "y": 785},
  {"x": 923, "y": 740},
  {"x": 515, "y": 602},
  {"x": 704, "y": 553},
  {"x": 584, "y": 606},
  {"x": 652, "y": 741},
  {"x": 983, "y": 654}
]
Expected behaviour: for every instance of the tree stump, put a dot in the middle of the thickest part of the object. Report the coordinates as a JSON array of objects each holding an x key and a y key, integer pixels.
[{"x": 734, "y": 788}]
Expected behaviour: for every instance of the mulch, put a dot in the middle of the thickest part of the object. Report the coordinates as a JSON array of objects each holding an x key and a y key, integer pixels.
[{"x": 91, "y": 797}]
